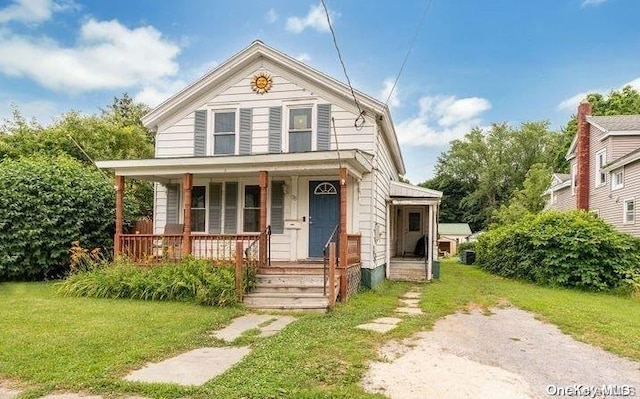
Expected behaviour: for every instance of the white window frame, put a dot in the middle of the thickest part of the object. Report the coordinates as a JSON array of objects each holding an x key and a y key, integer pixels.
[
  {"x": 314, "y": 123},
  {"x": 601, "y": 161},
  {"x": 614, "y": 185},
  {"x": 206, "y": 208},
  {"x": 625, "y": 212},
  {"x": 574, "y": 178},
  {"x": 242, "y": 207},
  {"x": 212, "y": 134}
]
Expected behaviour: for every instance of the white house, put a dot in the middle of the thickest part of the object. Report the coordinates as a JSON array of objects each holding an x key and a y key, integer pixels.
[{"x": 265, "y": 140}]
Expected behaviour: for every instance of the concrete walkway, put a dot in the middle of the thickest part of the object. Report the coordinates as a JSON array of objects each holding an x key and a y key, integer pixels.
[
  {"x": 410, "y": 306},
  {"x": 198, "y": 366}
]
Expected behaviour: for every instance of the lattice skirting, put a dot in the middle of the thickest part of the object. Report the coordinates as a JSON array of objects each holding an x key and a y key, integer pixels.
[{"x": 353, "y": 279}]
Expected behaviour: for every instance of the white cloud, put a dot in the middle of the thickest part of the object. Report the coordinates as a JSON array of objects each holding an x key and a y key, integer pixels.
[
  {"x": 442, "y": 119},
  {"x": 571, "y": 103},
  {"x": 159, "y": 91},
  {"x": 587, "y": 3},
  {"x": 271, "y": 16},
  {"x": 156, "y": 92},
  {"x": 394, "y": 100},
  {"x": 32, "y": 11},
  {"x": 107, "y": 55},
  {"x": 40, "y": 110},
  {"x": 303, "y": 57},
  {"x": 315, "y": 19}
]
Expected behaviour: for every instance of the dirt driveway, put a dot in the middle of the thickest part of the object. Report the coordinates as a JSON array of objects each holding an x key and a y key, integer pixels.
[{"x": 508, "y": 354}]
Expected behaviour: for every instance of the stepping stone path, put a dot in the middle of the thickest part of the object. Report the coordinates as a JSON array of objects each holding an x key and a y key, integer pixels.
[
  {"x": 201, "y": 365},
  {"x": 410, "y": 300}
]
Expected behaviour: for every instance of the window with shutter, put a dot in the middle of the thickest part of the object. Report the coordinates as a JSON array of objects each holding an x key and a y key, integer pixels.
[
  {"x": 224, "y": 132},
  {"x": 277, "y": 207}
]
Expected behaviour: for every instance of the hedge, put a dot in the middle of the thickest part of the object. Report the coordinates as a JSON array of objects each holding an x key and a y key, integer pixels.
[
  {"x": 46, "y": 204},
  {"x": 569, "y": 249}
]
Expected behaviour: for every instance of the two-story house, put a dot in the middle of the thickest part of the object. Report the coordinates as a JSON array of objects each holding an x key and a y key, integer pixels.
[
  {"x": 604, "y": 162},
  {"x": 264, "y": 140}
]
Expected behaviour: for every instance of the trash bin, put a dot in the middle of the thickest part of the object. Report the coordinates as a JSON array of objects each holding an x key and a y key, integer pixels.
[
  {"x": 468, "y": 257},
  {"x": 435, "y": 269}
]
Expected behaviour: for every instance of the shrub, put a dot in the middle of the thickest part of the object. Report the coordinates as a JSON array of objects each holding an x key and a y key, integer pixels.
[
  {"x": 46, "y": 204},
  {"x": 570, "y": 249},
  {"x": 192, "y": 280},
  {"x": 465, "y": 245}
]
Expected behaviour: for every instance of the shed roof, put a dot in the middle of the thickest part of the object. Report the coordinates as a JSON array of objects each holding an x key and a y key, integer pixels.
[{"x": 454, "y": 229}]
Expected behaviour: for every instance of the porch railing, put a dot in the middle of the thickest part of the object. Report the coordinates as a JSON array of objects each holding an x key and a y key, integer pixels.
[
  {"x": 152, "y": 248},
  {"x": 258, "y": 251},
  {"x": 157, "y": 248},
  {"x": 353, "y": 249},
  {"x": 330, "y": 256}
]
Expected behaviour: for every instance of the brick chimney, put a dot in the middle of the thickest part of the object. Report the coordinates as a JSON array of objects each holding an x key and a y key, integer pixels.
[{"x": 582, "y": 156}]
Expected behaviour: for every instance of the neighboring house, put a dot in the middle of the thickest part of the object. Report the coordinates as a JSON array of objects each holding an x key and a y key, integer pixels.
[
  {"x": 265, "y": 140},
  {"x": 452, "y": 234},
  {"x": 604, "y": 161}
]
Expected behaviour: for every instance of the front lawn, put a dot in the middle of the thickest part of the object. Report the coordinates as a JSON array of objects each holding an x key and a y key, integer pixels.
[{"x": 50, "y": 343}]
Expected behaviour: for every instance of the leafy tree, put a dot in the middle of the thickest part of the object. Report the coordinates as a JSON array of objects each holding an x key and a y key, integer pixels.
[
  {"x": 487, "y": 166},
  {"x": 117, "y": 133},
  {"x": 529, "y": 199}
]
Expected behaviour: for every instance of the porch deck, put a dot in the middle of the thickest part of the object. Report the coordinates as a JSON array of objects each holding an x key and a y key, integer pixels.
[{"x": 310, "y": 284}]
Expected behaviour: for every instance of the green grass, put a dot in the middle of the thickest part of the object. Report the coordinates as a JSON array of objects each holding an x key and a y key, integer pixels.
[{"x": 49, "y": 342}]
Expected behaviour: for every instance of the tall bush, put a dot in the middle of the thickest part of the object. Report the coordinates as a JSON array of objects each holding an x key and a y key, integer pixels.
[
  {"x": 570, "y": 249},
  {"x": 46, "y": 204}
]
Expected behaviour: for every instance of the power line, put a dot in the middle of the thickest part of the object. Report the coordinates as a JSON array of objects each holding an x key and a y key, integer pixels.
[
  {"x": 411, "y": 44},
  {"x": 359, "y": 122}
]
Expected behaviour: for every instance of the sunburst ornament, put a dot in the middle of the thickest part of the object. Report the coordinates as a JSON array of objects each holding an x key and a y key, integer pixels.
[{"x": 261, "y": 82}]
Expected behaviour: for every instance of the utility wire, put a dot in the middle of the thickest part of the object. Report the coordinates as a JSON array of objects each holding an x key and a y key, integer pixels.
[
  {"x": 411, "y": 44},
  {"x": 359, "y": 122}
]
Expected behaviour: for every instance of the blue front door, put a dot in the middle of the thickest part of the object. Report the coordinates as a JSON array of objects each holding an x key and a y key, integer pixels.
[{"x": 324, "y": 214}]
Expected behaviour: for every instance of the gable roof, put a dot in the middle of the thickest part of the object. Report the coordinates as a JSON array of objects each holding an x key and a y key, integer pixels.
[
  {"x": 454, "y": 229},
  {"x": 257, "y": 50},
  {"x": 560, "y": 178},
  {"x": 615, "y": 123}
]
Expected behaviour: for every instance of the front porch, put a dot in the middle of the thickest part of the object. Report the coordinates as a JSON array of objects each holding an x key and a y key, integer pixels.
[
  {"x": 413, "y": 213},
  {"x": 250, "y": 219}
]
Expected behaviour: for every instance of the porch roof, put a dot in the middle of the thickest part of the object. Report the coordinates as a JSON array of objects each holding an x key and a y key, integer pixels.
[
  {"x": 310, "y": 163},
  {"x": 408, "y": 194}
]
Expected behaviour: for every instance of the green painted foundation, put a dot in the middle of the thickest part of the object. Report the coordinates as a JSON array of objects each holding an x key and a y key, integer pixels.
[{"x": 372, "y": 277}]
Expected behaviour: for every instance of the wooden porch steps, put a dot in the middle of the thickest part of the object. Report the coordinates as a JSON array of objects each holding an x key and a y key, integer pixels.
[
  {"x": 407, "y": 270},
  {"x": 289, "y": 286}
]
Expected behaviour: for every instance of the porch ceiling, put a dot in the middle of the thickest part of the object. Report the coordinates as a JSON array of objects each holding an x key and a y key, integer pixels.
[{"x": 306, "y": 163}]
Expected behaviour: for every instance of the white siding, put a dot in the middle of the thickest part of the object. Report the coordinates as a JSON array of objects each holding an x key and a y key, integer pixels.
[{"x": 175, "y": 136}]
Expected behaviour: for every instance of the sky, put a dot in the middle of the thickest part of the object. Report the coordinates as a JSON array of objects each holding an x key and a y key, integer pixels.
[{"x": 473, "y": 62}]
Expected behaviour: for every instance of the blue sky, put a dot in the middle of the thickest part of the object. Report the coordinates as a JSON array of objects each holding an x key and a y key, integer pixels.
[{"x": 474, "y": 61}]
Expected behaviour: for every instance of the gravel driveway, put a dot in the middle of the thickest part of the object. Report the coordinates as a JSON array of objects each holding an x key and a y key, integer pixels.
[{"x": 508, "y": 354}]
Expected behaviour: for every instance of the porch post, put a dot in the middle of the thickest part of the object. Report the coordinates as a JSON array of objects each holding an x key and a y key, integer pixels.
[
  {"x": 264, "y": 182},
  {"x": 430, "y": 244},
  {"x": 117, "y": 244},
  {"x": 343, "y": 234},
  {"x": 187, "y": 185}
]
